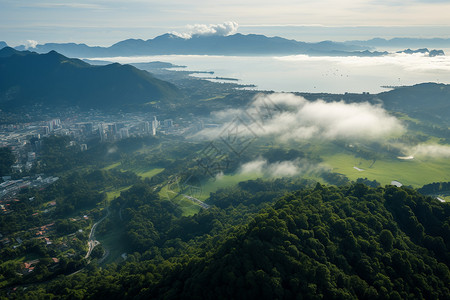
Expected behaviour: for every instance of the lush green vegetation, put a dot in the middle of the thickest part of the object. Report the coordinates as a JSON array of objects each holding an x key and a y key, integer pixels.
[
  {"x": 50, "y": 227},
  {"x": 56, "y": 80},
  {"x": 322, "y": 242},
  {"x": 385, "y": 169},
  {"x": 256, "y": 236}
]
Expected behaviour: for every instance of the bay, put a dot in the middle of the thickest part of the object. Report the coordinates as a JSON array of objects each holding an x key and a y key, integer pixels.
[{"x": 303, "y": 73}]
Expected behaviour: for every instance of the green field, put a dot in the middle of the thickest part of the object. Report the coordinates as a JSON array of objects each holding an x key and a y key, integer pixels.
[
  {"x": 215, "y": 97},
  {"x": 170, "y": 193},
  {"x": 224, "y": 181},
  {"x": 111, "y": 166},
  {"x": 114, "y": 193},
  {"x": 416, "y": 172},
  {"x": 142, "y": 171},
  {"x": 148, "y": 173}
]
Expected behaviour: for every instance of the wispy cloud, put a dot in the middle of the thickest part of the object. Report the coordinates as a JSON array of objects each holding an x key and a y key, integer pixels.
[
  {"x": 429, "y": 150},
  {"x": 64, "y": 5}
]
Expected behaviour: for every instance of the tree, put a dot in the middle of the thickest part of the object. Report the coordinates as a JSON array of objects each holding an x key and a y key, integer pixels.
[
  {"x": 386, "y": 239},
  {"x": 98, "y": 252},
  {"x": 6, "y": 161}
]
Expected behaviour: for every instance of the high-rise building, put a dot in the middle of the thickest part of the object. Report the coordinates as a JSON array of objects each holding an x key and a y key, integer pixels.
[
  {"x": 45, "y": 130},
  {"x": 112, "y": 128},
  {"x": 124, "y": 133},
  {"x": 155, "y": 125},
  {"x": 54, "y": 124},
  {"x": 147, "y": 127},
  {"x": 101, "y": 131}
]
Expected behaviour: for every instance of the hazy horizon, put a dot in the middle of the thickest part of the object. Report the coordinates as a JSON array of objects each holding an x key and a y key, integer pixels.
[
  {"x": 304, "y": 33},
  {"x": 101, "y": 23}
]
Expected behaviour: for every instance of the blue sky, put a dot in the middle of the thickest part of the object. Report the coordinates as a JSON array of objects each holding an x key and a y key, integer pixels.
[{"x": 104, "y": 22}]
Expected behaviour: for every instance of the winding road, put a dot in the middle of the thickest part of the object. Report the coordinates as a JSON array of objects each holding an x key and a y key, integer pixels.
[{"x": 92, "y": 242}]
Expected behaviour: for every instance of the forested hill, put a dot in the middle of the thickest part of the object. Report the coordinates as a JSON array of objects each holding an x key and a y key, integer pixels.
[
  {"x": 322, "y": 243},
  {"x": 28, "y": 78},
  {"x": 428, "y": 101}
]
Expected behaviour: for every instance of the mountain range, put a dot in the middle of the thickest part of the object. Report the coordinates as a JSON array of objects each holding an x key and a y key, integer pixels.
[
  {"x": 51, "y": 79},
  {"x": 403, "y": 42},
  {"x": 236, "y": 44}
]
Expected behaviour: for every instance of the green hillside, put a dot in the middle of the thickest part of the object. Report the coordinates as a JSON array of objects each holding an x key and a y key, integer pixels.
[
  {"x": 352, "y": 242},
  {"x": 28, "y": 78},
  {"x": 427, "y": 101}
]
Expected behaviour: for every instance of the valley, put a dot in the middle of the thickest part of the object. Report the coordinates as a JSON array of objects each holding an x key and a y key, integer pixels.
[{"x": 213, "y": 172}]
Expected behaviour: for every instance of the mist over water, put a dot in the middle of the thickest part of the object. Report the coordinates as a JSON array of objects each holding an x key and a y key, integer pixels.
[{"x": 302, "y": 73}]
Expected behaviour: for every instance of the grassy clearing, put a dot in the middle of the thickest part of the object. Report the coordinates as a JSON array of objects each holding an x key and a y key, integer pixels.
[
  {"x": 111, "y": 166},
  {"x": 149, "y": 173},
  {"x": 403, "y": 116},
  {"x": 114, "y": 193},
  {"x": 215, "y": 97},
  {"x": 142, "y": 171},
  {"x": 224, "y": 181},
  {"x": 445, "y": 197},
  {"x": 170, "y": 193},
  {"x": 415, "y": 172}
]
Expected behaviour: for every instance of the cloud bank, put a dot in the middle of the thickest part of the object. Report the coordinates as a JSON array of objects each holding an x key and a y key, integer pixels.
[
  {"x": 285, "y": 168},
  {"x": 224, "y": 29},
  {"x": 289, "y": 117}
]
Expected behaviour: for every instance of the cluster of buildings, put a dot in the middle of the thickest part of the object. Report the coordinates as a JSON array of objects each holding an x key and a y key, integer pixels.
[
  {"x": 8, "y": 188},
  {"x": 25, "y": 140},
  {"x": 121, "y": 130}
]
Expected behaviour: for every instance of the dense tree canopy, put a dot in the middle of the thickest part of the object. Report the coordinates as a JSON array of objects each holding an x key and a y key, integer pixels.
[{"x": 325, "y": 242}]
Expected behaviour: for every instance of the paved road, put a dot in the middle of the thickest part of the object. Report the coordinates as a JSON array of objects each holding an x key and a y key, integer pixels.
[{"x": 92, "y": 242}]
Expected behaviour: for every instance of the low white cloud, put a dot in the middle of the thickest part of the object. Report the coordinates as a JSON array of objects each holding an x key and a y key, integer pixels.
[
  {"x": 409, "y": 62},
  {"x": 253, "y": 167},
  {"x": 219, "y": 175},
  {"x": 31, "y": 44},
  {"x": 112, "y": 150},
  {"x": 430, "y": 150},
  {"x": 285, "y": 168},
  {"x": 289, "y": 117},
  {"x": 224, "y": 29}
]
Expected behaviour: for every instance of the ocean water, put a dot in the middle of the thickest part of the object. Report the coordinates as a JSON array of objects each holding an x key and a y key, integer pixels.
[{"x": 303, "y": 73}]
